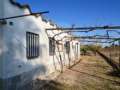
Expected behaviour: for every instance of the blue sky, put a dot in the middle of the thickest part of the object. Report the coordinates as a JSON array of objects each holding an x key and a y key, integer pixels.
[{"x": 79, "y": 12}]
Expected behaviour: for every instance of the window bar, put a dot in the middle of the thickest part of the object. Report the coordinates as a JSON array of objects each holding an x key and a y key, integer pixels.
[
  {"x": 38, "y": 49},
  {"x": 29, "y": 45},
  {"x": 34, "y": 45}
]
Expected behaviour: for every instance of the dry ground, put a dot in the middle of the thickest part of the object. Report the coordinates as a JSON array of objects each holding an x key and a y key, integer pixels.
[{"x": 92, "y": 73}]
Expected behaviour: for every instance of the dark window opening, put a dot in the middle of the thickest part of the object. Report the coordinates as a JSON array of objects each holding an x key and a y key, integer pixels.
[
  {"x": 51, "y": 46},
  {"x": 67, "y": 46},
  {"x": 32, "y": 45}
]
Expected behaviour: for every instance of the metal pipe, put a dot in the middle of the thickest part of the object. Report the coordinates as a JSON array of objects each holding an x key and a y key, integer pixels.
[
  {"x": 85, "y": 28},
  {"x": 113, "y": 31},
  {"x": 95, "y": 38},
  {"x": 93, "y": 41},
  {"x": 67, "y": 31},
  {"x": 25, "y": 15}
]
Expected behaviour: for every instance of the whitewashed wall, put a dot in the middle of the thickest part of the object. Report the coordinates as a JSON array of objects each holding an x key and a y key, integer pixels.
[
  {"x": 1, "y": 39},
  {"x": 1, "y": 51},
  {"x": 13, "y": 61}
]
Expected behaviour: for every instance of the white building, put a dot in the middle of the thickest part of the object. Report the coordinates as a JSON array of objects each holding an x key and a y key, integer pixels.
[{"x": 26, "y": 49}]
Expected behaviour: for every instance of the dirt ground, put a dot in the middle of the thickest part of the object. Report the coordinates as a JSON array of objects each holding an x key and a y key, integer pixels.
[{"x": 91, "y": 73}]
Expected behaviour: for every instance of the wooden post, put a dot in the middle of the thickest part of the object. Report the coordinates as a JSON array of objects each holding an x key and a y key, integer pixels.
[
  {"x": 119, "y": 53},
  {"x": 110, "y": 51},
  {"x": 114, "y": 51}
]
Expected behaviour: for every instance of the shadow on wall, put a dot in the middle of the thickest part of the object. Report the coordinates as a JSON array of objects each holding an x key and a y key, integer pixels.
[
  {"x": 14, "y": 83},
  {"x": 23, "y": 76},
  {"x": 15, "y": 64}
]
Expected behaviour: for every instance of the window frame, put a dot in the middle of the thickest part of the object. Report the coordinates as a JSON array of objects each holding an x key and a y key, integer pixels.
[
  {"x": 51, "y": 46},
  {"x": 32, "y": 45}
]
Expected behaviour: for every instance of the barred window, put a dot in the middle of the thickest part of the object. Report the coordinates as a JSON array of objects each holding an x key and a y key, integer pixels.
[
  {"x": 51, "y": 46},
  {"x": 32, "y": 45},
  {"x": 67, "y": 46}
]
